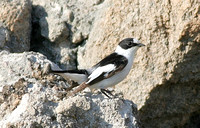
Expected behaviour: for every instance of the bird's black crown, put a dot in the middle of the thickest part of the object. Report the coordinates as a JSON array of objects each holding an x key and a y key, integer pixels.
[{"x": 128, "y": 43}]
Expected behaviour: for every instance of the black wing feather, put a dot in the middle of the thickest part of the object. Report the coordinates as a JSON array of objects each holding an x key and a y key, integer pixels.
[
  {"x": 118, "y": 60},
  {"x": 80, "y": 71},
  {"x": 113, "y": 58}
]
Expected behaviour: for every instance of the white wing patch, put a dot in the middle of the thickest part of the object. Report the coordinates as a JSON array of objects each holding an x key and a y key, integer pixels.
[{"x": 97, "y": 72}]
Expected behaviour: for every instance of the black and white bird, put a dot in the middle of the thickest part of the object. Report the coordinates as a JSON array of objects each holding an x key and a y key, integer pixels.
[{"x": 108, "y": 72}]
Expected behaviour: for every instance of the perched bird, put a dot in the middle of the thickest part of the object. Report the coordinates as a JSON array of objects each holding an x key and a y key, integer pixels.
[{"x": 108, "y": 72}]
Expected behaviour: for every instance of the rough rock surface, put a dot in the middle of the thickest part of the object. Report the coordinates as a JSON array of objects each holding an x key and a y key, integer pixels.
[
  {"x": 4, "y": 37},
  {"x": 30, "y": 97},
  {"x": 59, "y": 26},
  {"x": 15, "y": 25},
  {"x": 164, "y": 81}
]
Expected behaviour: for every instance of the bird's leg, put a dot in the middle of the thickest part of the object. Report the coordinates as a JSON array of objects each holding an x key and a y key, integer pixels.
[
  {"x": 73, "y": 85},
  {"x": 80, "y": 88},
  {"x": 106, "y": 92}
]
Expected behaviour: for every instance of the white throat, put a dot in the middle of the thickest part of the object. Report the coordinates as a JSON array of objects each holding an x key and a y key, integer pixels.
[{"x": 128, "y": 53}]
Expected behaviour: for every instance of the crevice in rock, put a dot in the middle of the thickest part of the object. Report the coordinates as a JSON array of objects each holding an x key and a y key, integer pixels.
[
  {"x": 38, "y": 42},
  {"x": 36, "y": 37}
]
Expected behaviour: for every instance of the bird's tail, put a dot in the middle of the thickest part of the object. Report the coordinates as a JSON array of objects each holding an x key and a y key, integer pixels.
[
  {"x": 80, "y": 88},
  {"x": 78, "y": 76},
  {"x": 57, "y": 71},
  {"x": 81, "y": 71}
]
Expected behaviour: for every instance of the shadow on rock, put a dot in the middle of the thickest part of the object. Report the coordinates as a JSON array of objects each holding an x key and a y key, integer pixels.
[{"x": 176, "y": 103}]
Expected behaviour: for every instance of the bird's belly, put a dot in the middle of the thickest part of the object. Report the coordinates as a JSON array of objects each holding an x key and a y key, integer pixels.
[{"x": 111, "y": 81}]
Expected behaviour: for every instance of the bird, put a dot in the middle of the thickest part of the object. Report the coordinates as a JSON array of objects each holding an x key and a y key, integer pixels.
[{"x": 106, "y": 73}]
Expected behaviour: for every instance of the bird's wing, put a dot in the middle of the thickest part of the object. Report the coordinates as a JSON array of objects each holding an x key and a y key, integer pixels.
[{"x": 106, "y": 68}]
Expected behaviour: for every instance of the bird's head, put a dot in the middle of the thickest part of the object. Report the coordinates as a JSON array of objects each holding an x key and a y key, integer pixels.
[
  {"x": 128, "y": 46},
  {"x": 130, "y": 43}
]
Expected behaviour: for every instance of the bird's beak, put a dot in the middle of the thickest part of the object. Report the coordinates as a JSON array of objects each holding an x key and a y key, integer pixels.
[{"x": 140, "y": 45}]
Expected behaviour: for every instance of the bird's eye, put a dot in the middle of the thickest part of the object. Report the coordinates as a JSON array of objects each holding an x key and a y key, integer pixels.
[{"x": 130, "y": 43}]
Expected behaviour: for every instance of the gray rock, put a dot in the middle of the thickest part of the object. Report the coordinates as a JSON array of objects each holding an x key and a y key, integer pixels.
[
  {"x": 60, "y": 26},
  {"x": 16, "y": 19},
  {"x": 97, "y": 111},
  {"x": 4, "y": 37},
  {"x": 30, "y": 97},
  {"x": 164, "y": 81}
]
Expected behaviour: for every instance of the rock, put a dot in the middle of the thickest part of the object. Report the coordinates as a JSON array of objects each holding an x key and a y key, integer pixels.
[
  {"x": 30, "y": 97},
  {"x": 4, "y": 37},
  {"x": 52, "y": 19},
  {"x": 60, "y": 26},
  {"x": 164, "y": 81},
  {"x": 96, "y": 111},
  {"x": 166, "y": 73},
  {"x": 16, "y": 25}
]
